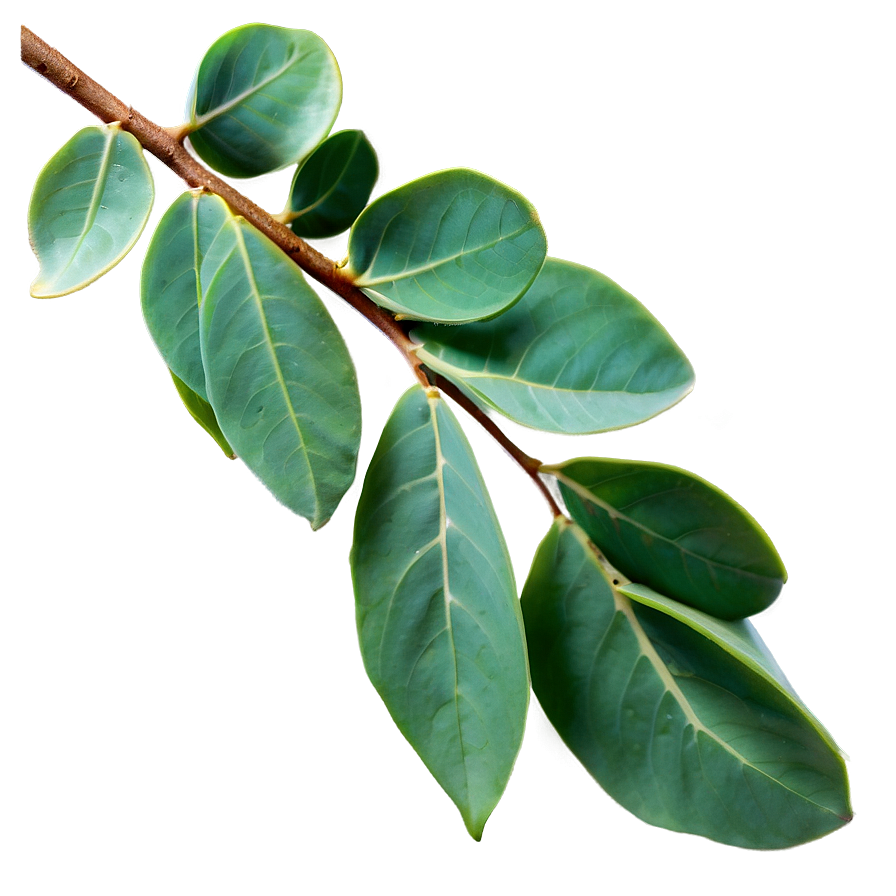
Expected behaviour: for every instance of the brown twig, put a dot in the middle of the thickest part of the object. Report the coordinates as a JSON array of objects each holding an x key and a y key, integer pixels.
[{"x": 167, "y": 146}]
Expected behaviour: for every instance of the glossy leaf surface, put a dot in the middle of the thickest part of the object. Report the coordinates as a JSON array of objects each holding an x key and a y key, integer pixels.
[
  {"x": 203, "y": 413},
  {"x": 263, "y": 98},
  {"x": 332, "y": 186},
  {"x": 577, "y": 354},
  {"x": 454, "y": 246},
  {"x": 438, "y": 618},
  {"x": 89, "y": 205},
  {"x": 682, "y": 718},
  {"x": 278, "y": 374},
  {"x": 671, "y": 530},
  {"x": 170, "y": 291}
]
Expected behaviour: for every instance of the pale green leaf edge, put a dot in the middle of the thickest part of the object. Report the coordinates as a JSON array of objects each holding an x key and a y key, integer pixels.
[{"x": 35, "y": 285}]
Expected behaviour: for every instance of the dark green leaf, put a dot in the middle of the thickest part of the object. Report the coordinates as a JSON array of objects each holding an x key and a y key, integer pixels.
[
  {"x": 332, "y": 186},
  {"x": 278, "y": 373},
  {"x": 90, "y": 204},
  {"x": 202, "y": 412},
  {"x": 671, "y": 530},
  {"x": 169, "y": 288},
  {"x": 682, "y": 718},
  {"x": 438, "y": 617},
  {"x": 576, "y": 354},
  {"x": 454, "y": 246},
  {"x": 263, "y": 98}
]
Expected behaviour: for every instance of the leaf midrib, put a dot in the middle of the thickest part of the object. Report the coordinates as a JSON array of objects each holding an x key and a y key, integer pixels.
[
  {"x": 624, "y": 605},
  {"x": 443, "y": 543},
  {"x": 423, "y": 269},
  {"x": 612, "y": 512},
  {"x": 224, "y": 108},
  {"x": 275, "y": 363},
  {"x": 99, "y": 187},
  {"x": 462, "y": 373}
]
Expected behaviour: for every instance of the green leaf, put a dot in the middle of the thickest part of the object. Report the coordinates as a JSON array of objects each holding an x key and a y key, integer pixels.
[
  {"x": 577, "y": 354},
  {"x": 438, "y": 618},
  {"x": 332, "y": 186},
  {"x": 263, "y": 98},
  {"x": 454, "y": 246},
  {"x": 278, "y": 374},
  {"x": 682, "y": 718},
  {"x": 169, "y": 288},
  {"x": 89, "y": 206},
  {"x": 203, "y": 413},
  {"x": 671, "y": 530}
]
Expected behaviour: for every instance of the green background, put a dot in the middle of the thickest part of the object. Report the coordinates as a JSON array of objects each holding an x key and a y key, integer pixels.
[{"x": 183, "y": 719}]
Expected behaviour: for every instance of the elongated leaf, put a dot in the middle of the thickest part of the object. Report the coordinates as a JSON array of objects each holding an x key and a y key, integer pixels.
[
  {"x": 438, "y": 618},
  {"x": 203, "y": 413},
  {"x": 332, "y": 186},
  {"x": 454, "y": 246},
  {"x": 680, "y": 717},
  {"x": 263, "y": 98},
  {"x": 671, "y": 530},
  {"x": 576, "y": 354},
  {"x": 90, "y": 204},
  {"x": 169, "y": 288},
  {"x": 278, "y": 374}
]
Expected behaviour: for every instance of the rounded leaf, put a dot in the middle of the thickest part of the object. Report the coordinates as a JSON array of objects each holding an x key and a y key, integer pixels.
[
  {"x": 577, "y": 354},
  {"x": 263, "y": 98},
  {"x": 332, "y": 186},
  {"x": 89, "y": 206},
  {"x": 454, "y": 246},
  {"x": 671, "y": 530}
]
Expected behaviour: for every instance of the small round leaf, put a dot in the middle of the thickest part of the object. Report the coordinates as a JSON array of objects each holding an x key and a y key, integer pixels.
[
  {"x": 89, "y": 206},
  {"x": 454, "y": 246},
  {"x": 263, "y": 98},
  {"x": 332, "y": 186}
]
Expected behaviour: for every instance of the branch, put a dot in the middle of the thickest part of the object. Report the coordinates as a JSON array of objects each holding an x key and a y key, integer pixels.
[{"x": 168, "y": 148}]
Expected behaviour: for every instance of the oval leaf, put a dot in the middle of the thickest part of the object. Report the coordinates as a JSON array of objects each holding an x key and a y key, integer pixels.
[
  {"x": 454, "y": 246},
  {"x": 577, "y": 354},
  {"x": 332, "y": 186},
  {"x": 203, "y": 413},
  {"x": 681, "y": 718},
  {"x": 438, "y": 617},
  {"x": 278, "y": 374},
  {"x": 671, "y": 530},
  {"x": 169, "y": 287},
  {"x": 89, "y": 206},
  {"x": 263, "y": 98}
]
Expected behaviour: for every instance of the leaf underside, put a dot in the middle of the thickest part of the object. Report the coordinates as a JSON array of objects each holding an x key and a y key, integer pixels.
[
  {"x": 439, "y": 623},
  {"x": 278, "y": 373},
  {"x": 263, "y": 98},
  {"x": 89, "y": 206},
  {"x": 576, "y": 354},
  {"x": 671, "y": 530},
  {"x": 332, "y": 186},
  {"x": 203, "y": 413},
  {"x": 453, "y": 246},
  {"x": 682, "y": 718}
]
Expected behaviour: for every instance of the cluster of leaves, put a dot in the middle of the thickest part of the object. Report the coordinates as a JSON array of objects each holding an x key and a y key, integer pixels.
[{"x": 631, "y": 627}]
